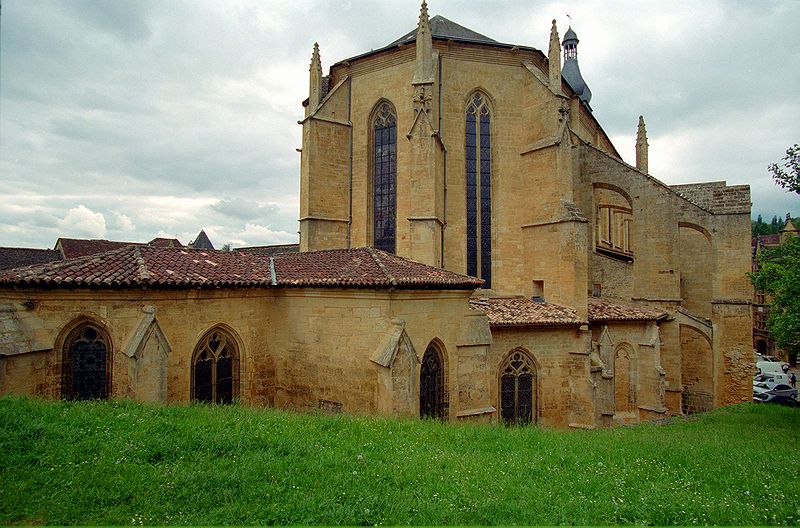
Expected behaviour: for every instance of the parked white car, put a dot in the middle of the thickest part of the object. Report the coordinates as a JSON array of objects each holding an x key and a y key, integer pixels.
[{"x": 771, "y": 377}]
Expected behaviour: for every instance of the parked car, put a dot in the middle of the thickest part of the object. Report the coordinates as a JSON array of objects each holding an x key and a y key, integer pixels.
[
  {"x": 767, "y": 391},
  {"x": 771, "y": 377}
]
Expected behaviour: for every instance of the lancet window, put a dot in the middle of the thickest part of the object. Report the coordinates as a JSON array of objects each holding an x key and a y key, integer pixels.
[
  {"x": 432, "y": 391},
  {"x": 86, "y": 364},
  {"x": 518, "y": 389},
  {"x": 479, "y": 188},
  {"x": 215, "y": 368},
  {"x": 384, "y": 178}
]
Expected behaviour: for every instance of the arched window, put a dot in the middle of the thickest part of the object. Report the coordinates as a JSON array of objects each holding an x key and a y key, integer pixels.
[
  {"x": 86, "y": 364},
  {"x": 613, "y": 222},
  {"x": 432, "y": 390},
  {"x": 518, "y": 389},
  {"x": 479, "y": 188},
  {"x": 215, "y": 368},
  {"x": 384, "y": 178}
]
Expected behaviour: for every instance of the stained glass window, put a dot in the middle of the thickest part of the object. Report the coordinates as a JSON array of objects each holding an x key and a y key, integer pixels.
[
  {"x": 432, "y": 395},
  {"x": 518, "y": 389},
  {"x": 86, "y": 365},
  {"x": 384, "y": 178},
  {"x": 215, "y": 370},
  {"x": 478, "y": 147}
]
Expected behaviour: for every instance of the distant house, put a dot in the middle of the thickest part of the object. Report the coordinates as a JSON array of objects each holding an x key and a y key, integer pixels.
[
  {"x": 17, "y": 257},
  {"x": 762, "y": 342},
  {"x": 271, "y": 251},
  {"x": 201, "y": 242},
  {"x": 81, "y": 247}
]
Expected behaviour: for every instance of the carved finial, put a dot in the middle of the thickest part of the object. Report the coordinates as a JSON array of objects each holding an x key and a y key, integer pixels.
[
  {"x": 423, "y": 15},
  {"x": 314, "y": 81},
  {"x": 641, "y": 146},
  {"x": 424, "y": 68},
  {"x": 554, "y": 58}
]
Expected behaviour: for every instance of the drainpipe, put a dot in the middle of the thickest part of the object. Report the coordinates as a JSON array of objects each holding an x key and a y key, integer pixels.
[
  {"x": 350, "y": 122},
  {"x": 441, "y": 138}
]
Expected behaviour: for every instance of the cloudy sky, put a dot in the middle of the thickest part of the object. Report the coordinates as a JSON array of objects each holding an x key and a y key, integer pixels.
[{"x": 133, "y": 119}]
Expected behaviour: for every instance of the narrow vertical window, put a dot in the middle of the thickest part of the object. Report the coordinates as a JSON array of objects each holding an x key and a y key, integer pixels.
[
  {"x": 86, "y": 365},
  {"x": 478, "y": 146},
  {"x": 518, "y": 390},
  {"x": 215, "y": 369},
  {"x": 432, "y": 392},
  {"x": 384, "y": 178}
]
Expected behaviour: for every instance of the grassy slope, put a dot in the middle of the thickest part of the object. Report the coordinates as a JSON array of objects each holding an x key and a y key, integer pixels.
[{"x": 124, "y": 463}]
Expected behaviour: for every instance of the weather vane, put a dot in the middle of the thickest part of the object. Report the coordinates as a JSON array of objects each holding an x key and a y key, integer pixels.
[{"x": 570, "y": 19}]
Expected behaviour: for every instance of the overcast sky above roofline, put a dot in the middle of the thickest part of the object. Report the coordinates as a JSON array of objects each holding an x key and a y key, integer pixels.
[{"x": 129, "y": 120}]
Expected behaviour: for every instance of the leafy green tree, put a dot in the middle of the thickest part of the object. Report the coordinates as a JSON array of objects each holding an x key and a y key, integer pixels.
[
  {"x": 779, "y": 277},
  {"x": 787, "y": 174}
]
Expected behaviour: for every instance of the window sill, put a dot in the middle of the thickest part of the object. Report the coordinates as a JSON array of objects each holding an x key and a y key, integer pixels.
[{"x": 616, "y": 255}]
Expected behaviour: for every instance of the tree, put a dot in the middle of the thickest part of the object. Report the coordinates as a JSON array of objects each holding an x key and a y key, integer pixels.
[
  {"x": 787, "y": 175},
  {"x": 778, "y": 276}
]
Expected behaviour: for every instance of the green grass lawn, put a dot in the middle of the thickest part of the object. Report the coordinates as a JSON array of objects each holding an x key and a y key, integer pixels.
[{"x": 124, "y": 463}]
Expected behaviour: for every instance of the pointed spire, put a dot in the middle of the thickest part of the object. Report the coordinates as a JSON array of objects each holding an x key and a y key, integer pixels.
[
  {"x": 641, "y": 146},
  {"x": 424, "y": 68},
  {"x": 314, "y": 80},
  {"x": 554, "y": 58}
]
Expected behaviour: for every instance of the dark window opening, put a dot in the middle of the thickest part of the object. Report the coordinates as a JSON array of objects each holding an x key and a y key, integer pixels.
[
  {"x": 478, "y": 167},
  {"x": 86, "y": 365},
  {"x": 432, "y": 392},
  {"x": 518, "y": 390},
  {"x": 215, "y": 369},
  {"x": 384, "y": 182}
]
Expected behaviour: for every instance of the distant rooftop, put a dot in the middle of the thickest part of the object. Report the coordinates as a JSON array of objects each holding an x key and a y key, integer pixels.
[
  {"x": 17, "y": 257},
  {"x": 443, "y": 28}
]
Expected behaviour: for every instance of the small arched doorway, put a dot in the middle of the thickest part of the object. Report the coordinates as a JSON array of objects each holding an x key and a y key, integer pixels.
[
  {"x": 518, "y": 389},
  {"x": 432, "y": 390}
]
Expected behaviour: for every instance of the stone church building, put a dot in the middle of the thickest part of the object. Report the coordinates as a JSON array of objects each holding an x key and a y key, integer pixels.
[{"x": 472, "y": 247}]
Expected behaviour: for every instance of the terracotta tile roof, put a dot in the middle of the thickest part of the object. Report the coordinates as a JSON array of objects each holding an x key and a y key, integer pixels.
[
  {"x": 149, "y": 266},
  {"x": 165, "y": 242},
  {"x": 81, "y": 247},
  {"x": 16, "y": 257},
  {"x": 270, "y": 251},
  {"x": 601, "y": 310},
  {"x": 521, "y": 311},
  {"x": 364, "y": 267}
]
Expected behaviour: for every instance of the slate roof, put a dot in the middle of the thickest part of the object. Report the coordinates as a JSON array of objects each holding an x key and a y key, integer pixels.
[
  {"x": 445, "y": 29},
  {"x": 202, "y": 241},
  {"x": 605, "y": 310},
  {"x": 521, "y": 311},
  {"x": 156, "y": 267},
  {"x": 270, "y": 251},
  {"x": 16, "y": 257}
]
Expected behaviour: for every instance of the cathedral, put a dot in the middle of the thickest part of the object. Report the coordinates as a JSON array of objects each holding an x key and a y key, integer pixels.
[{"x": 472, "y": 247}]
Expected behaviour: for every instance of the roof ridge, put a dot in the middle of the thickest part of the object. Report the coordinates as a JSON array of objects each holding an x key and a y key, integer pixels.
[
  {"x": 144, "y": 275},
  {"x": 380, "y": 264}
]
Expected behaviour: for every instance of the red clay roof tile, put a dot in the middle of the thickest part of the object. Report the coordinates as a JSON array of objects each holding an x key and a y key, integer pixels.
[
  {"x": 521, "y": 311},
  {"x": 149, "y": 266},
  {"x": 601, "y": 310}
]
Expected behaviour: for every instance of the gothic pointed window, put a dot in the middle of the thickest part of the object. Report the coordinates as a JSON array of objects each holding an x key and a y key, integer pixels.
[
  {"x": 432, "y": 391},
  {"x": 478, "y": 157},
  {"x": 86, "y": 364},
  {"x": 384, "y": 178},
  {"x": 518, "y": 389},
  {"x": 215, "y": 368}
]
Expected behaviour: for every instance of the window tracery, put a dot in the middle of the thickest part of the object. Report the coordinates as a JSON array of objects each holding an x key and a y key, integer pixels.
[
  {"x": 518, "y": 389},
  {"x": 478, "y": 156},
  {"x": 384, "y": 178},
  {"x": 86, "y": 365},
  {"x": 215, "y": 369},
  {"x": 432, "y": 390}
]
